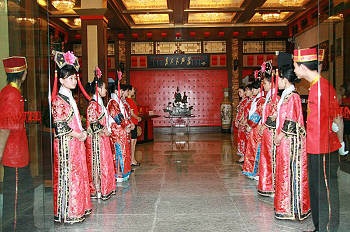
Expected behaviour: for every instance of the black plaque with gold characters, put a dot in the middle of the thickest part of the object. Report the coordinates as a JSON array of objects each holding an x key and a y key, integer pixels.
[{"x": 182, "y": 61}]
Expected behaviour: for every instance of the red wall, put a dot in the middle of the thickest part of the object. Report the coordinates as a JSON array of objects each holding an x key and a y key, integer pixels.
[{"x": 204, "y": 89}]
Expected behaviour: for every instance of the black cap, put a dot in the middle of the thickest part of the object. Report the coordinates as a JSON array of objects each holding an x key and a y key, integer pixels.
[{"x": 285, "y": 61}]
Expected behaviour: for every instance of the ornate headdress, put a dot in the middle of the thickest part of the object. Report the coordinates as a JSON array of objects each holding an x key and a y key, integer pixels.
[
  {"x": 267, "y": 67},
  {"x": 61, "y": 60},
  {"x": 68, "y": 58},
  {"x": 120, "y": 76},
  {"x": 257, "y": 74},
  {"x": 98, "y": 75},
  {"x": 98, "y": 72}
]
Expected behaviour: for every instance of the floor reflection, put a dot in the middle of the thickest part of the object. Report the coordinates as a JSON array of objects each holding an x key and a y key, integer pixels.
[{"x": 194, "y": 185}]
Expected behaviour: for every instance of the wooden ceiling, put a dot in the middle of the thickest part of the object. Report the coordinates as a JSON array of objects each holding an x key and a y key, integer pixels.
[
  {"x": 205, "y": 13},
  {"x": 135, "y": 14},
  {"x": 129, "y": 16}
]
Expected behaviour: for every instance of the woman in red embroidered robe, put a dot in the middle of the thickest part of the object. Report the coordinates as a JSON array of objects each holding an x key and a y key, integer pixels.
[
  {"x": 292, "y": 197},
  {"x": 128, "y": 116},
  {"x": 70, "y": 179},
  {"x": 267, "y": 163},
  {"x": 98, "y": 146},
  {"x": 241, "y": 121},
  {"x": 120, "y": 130},
  {"x": 239, "y": 111},
  {"x": 252, "y": 152}
]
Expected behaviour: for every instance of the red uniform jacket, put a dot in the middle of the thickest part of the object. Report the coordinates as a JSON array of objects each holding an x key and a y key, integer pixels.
[
  {"x": 323, "y": 107},
  {"x": 16, "y": 153}
]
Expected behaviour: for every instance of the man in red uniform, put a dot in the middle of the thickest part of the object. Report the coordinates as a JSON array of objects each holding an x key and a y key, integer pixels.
[
  {"x": 18, "y": 194},
  {"x": 135, "y": 119},
  {"x": 323, "y": 142}
]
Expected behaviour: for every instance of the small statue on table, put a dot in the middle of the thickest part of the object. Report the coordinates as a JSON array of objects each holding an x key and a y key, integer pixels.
[
  {"x": 184, "y": 98},
  {"x": 179, "y": 106},
  {"x": 177, "y": 96}
]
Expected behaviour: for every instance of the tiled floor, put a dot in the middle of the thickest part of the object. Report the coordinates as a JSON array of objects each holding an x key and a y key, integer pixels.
[{"x": 192, "y": 184}]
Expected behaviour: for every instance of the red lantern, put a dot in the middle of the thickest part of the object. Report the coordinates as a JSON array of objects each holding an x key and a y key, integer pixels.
[
  {"x": 278, "y": 33},
  {"x": 121, "y": 36},
  {"x": 235, "y": 33},
  {"x": 77, "y": 36},
  {"x": 135, "y": 35},
  {"x": 250, "y": 33}
]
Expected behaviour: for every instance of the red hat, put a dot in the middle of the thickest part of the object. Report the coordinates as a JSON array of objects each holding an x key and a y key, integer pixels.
[
  {"x": 308, "y": 54},
  {"x": 15, "y": 64}
]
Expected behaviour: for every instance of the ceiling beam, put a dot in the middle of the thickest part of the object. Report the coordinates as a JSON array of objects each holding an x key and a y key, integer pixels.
[
  {"x": 114, "y": 11},
  {"x": 248, "y": 13},
  {"x": 178, "y": 7}
]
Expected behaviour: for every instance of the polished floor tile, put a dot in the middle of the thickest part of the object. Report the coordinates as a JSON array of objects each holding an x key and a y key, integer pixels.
[{"x": 192, "y": 184}]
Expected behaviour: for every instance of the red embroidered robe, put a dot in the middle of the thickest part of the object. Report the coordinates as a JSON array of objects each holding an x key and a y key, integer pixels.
[
  {"x": 120, "y": 139},
  {"x": 292, "y": 197},
  {"x": 267, "y": 163},
  {"x": 252, "y": 152},
  {"x": 99, "y": 153},
  {"x": 241, "y": 120},
  {"x": 70, "y": 175}
]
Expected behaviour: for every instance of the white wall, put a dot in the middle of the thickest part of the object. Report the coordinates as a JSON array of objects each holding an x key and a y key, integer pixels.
[
  {"x": 4, "y": 45},
  {"x": 317, "y": 35}
]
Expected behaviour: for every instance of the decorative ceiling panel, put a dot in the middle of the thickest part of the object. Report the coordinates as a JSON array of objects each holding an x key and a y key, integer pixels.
[
  {"x": 150, "y": 18},
  {"x": 210, "y": 17},
  {"x": 270, "y": 17},
  {"x": 215, "y": 3},
  {"x": 145, "y": 4},
  {"x": 285, "y": 3}
]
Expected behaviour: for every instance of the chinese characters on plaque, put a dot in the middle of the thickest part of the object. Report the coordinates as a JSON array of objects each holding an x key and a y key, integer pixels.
[{"x": 178, "y": 61}]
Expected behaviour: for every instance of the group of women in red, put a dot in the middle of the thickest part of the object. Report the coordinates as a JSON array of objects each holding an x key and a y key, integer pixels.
[
  {"x": 88, "y": 162},
  {"x": 271, "y": 138}
]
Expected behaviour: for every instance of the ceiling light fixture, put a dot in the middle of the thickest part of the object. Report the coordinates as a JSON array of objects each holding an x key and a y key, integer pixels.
[
  {"x": 77, "y": 22},
  {"x": 270, "y": 17},
  {"x": 63, "y": 5},
  {"x": 335, "y": 18},
  {"x": 293, "y": 3},
  {"x": 27, "y": 21},
  {"x": 42, "y": 3}
]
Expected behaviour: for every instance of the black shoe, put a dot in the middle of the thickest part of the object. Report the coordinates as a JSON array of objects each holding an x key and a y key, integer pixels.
[
  {"x": 344, "y": 158},
  {"x": 310, "y": 230},
  {"x": 135, "y": 165}
]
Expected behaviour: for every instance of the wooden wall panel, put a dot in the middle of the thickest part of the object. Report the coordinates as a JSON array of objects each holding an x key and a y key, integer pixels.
[{"x": 204, "y": 89}]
